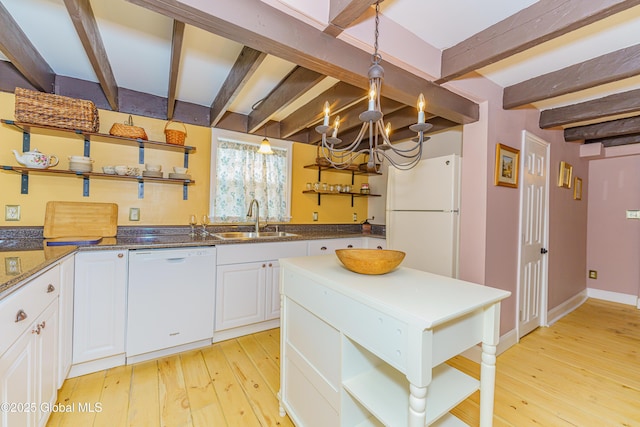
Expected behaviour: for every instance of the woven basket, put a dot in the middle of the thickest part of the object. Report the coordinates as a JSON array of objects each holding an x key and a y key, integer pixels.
[
  {"x": 175, "y": 136},
  {"x": 55, "y": 110},
  {"x": 128, "y": 130}
]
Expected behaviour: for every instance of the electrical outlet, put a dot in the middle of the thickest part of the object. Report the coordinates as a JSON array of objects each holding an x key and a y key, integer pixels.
[
  {"x": 134, "y": 214},
  {"x": 12, "y": 212},
  {"x": 593, "y": 274},
  {"x": 315, "y": 216},
  {"x": 355, "y": 217},
  {"x": 633, "y": 214}
]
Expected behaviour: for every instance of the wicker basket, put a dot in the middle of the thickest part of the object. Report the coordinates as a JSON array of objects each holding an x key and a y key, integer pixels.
[
  {"x": 128, "y": 130},
  {"x": 175, "y": 136},
  {"x": 55, "y": 110}
]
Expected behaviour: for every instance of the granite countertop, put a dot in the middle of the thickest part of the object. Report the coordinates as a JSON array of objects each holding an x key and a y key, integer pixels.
[{"x": 24, "y": 251}]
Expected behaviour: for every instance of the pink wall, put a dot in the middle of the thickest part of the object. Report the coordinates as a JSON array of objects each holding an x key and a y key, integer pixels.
[
  {"x": 614, "y": 241},
  {"x": 490, "y": 214}
]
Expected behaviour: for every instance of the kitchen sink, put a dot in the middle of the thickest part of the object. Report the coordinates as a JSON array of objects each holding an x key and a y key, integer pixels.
[{"x": 252, "y": 235}]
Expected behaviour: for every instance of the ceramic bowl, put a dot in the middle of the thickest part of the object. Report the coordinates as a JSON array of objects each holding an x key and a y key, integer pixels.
[
  {"x": 152, "y": 168},
  {"x": 109, "y": 170},
  {"x": 370, "y": 261},
  {"x": 180, "y": 170},
  {"x": 121, "y": 170}
]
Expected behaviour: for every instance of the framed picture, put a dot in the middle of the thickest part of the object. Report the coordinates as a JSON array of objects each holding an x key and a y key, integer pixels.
[
  {"x": 564, "y": 177},
  {"x": 507, "y": 164},
  {"x": 577, "y": 188}
]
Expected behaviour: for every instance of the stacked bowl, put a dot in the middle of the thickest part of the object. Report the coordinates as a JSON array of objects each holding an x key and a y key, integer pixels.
[{"x": 80, "y": 164}]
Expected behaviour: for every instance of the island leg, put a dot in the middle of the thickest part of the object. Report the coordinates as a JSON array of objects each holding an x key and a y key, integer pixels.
[
  {"x": 488, "y": 364},
  {"x": 417, "y": 405}
]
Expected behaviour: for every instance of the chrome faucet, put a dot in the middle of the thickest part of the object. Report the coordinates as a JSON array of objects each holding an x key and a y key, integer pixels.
[{"x": 250, "y": 213}]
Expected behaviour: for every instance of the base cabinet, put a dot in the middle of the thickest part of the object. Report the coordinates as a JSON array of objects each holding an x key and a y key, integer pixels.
[
  {"x": 99, "y": 311},
  {"x": 29, "y": 366},
  {"x": 65, "y": 318}
]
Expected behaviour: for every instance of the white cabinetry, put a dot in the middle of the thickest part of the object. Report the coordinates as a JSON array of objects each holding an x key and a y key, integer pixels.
[
  {"x": 28, "y": 361},
  {"x": 99, "y": 311},
  {"x": 328, "y": 246},
  {"x": 361, "y": 352},
  {"x": 65, "y": 318},
  {"x": 247, "y": 294}
]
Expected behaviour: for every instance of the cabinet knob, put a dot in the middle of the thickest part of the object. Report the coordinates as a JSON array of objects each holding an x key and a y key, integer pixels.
[
  {"x": 264, "y": 265},
  {"x": 43, "y": 324},
  {"x": 349, "y": 246},
  {"x": 50, "y": 288},
  {"x": 379, "y": 247},
  {"x": 120, "y": 255},
  {"x": 270, "y": 265},
  {"x": 324, "y": 248},
  {"x": 36, "y": 330},
  {"x": 21, "y": 315}
]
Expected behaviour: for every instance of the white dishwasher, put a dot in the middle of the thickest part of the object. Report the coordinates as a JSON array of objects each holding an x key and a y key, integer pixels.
[{"x": 170, "y": 298}]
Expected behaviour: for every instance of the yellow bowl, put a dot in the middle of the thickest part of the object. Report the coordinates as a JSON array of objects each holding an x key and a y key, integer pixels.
[{"x": 370, "y": 261}]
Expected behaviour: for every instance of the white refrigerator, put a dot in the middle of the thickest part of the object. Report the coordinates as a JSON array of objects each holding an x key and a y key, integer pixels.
[{"x": 423, "y": 214}]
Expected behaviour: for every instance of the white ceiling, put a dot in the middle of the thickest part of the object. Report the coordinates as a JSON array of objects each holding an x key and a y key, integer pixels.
[{"x": 138, "y": 45}]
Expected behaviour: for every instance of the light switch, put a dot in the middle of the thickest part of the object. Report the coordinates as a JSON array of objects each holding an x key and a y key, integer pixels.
[
  {"x": 134, "y": 214},
  {"x": 315, "y": 216},
  {"x": 633, "y": 214}
]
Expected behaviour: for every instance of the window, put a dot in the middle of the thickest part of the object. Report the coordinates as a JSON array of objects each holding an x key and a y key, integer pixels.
[{"x": 241, "y": 174}]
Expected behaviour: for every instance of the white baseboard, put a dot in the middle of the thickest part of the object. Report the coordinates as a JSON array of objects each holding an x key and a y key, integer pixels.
[
  {"x": 614, "y": 297},
  {"x": 566, "y": 307}
]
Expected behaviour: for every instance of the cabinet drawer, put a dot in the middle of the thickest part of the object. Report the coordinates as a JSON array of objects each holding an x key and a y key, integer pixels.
[
  {"x": 254, "y": 252},
  {"x": 328, "y": 246},
  {"x": 32, "y": 299}
]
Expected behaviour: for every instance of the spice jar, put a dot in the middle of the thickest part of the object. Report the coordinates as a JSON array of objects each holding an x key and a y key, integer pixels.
[{"x": 364, "y": 188}]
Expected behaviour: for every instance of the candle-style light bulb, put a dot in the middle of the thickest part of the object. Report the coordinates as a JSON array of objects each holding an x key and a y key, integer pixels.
[
  {"x": 387, "y": 129},
  {"x": 421, "y": 104},
  {"x": 372, "y": 97},
  {"x": 326, "y": 113},
  {"x": 336, "y": 125}
]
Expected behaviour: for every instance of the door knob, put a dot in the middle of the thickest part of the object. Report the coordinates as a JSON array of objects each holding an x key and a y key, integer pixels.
[{"x": 543, "y": 251}]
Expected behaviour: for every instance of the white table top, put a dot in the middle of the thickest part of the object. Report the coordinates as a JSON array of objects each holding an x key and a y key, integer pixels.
[{"x": 420, "y": 298}]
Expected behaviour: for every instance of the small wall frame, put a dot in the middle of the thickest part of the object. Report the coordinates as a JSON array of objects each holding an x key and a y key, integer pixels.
[{"x": 507, "y": 166}]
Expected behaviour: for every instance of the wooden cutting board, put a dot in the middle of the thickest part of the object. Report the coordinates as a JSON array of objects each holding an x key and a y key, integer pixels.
[{"x": 64, "y": 219}]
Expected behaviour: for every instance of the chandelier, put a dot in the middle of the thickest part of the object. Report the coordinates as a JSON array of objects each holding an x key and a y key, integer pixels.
[{"x": 379, "y": 147}]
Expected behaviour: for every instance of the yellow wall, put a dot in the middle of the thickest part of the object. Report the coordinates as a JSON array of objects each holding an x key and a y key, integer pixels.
[{"x": 162, "y": 203}]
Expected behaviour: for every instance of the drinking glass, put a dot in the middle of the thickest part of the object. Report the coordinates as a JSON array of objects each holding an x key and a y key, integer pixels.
[
  {"x": 205, "y": 222},
  {"x": 193, "y": 221}
]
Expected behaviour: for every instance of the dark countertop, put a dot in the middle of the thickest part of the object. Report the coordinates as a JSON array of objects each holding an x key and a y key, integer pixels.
[{"x": 24, "y": 254}]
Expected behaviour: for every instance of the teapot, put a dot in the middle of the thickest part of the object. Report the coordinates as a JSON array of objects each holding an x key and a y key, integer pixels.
[{"x": 35, "y": 159}]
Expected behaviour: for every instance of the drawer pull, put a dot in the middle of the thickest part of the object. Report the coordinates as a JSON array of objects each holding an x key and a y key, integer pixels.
[
  {"x": 36, "y": 330},
  {"x": 21, "y": 316},
  {"x": 50, "y": 288},
  {"x": 120, "y": 255},
  {"x": 324, "y": 248},
  {"x": 270, "y": 265},
  {"x": 264, "y": 265},
  {"x": 349, "y": 246},
  {"x": 43, "y": 324},
  {"x": 379, "y": 247}
]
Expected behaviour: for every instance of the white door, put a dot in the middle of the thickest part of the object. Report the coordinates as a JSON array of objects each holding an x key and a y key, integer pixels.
[{"x": 532, "y": 281}]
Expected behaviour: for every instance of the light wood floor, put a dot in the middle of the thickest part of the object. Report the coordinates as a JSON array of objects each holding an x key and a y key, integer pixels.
[{"x": 582, "y": 371}]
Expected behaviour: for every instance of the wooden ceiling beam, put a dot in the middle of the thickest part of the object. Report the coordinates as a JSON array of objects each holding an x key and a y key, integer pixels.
[
  {"x": 603, "y": 69},
  {"x": 293, "y": 86},
  {"x": 342, "y": 13},
  {"x": 616, "y": 141},
  {"x": 612, "y": 105},
  {"x": 23, "y": 55},
  {"x": 256, "y": 24},
  {"x": 245, "y": 66},
  {"x": 174, "y": 67},
  {"x": 85, "y": 23},
  {"x": 340, "y": 97},
  {"x": 540, "y": 22},
  {"x": 608, "y": 129}
]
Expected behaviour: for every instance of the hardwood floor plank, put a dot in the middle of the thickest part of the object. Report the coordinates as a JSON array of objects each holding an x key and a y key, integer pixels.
[
  {"x": 264, "y": 401},
  {"x": 115, "y": 398},
  {"x": 582, "y": 371},
  {"x": 144, "y": 407},
  {"x": 236, "y": 406},
  {"x": 174, "y": 402},
  {"x": 266, "y": 365}
]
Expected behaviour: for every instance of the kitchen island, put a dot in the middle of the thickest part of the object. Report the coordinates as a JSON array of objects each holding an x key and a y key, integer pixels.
[{"x": 370, "y": 350}]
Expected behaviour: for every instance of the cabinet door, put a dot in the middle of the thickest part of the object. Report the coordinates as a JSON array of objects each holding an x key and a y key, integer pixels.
[
  {"x": 273, "y": 290},
  {"x": 65, "y": 319},
  {"x": 18, "y": 382},
  {"x": 99, "y": 305},
  {"x": 47, "y": 361},
  {"x": 240, "y": 294}
]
